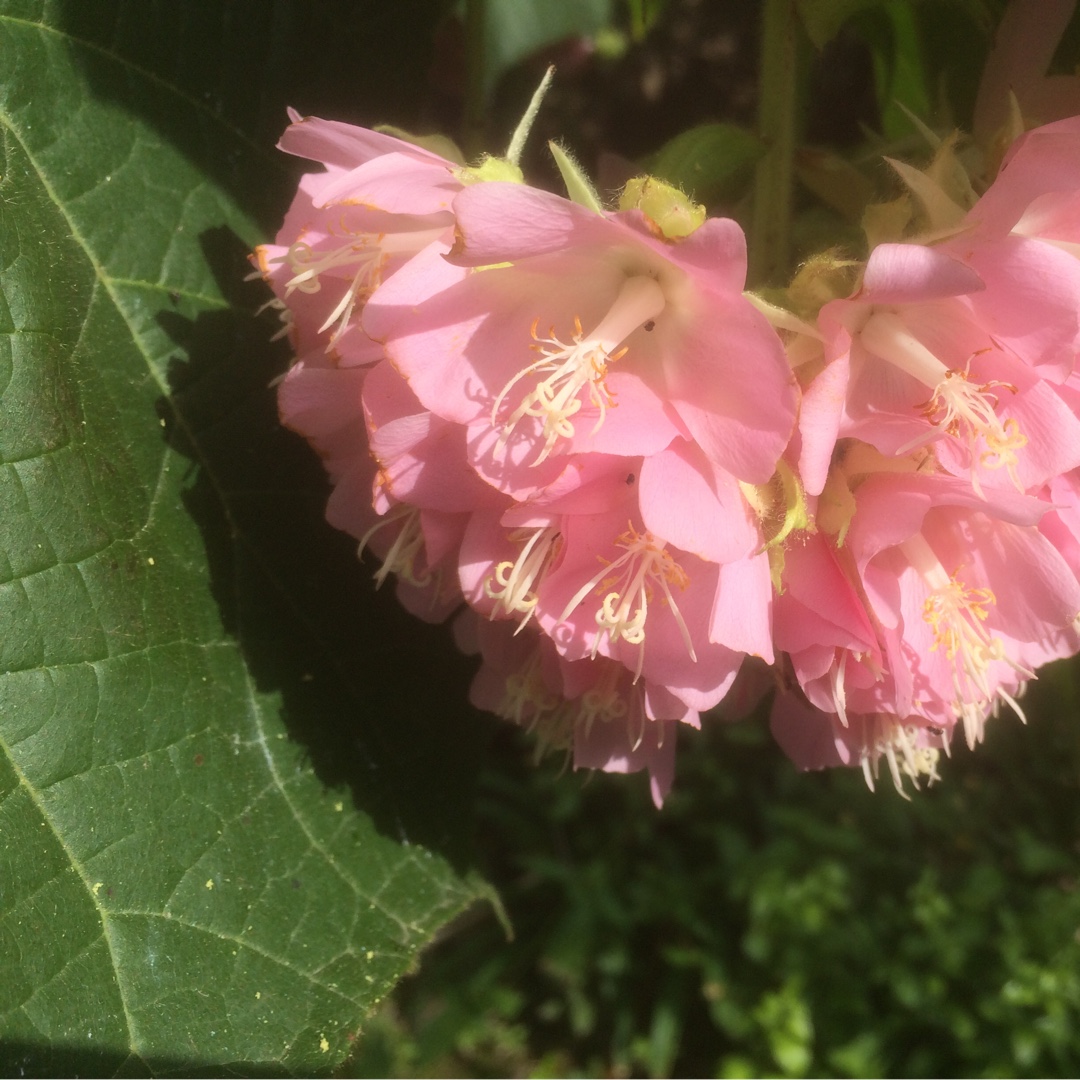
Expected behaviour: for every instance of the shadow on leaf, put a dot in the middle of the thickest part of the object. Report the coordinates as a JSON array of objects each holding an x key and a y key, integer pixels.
[{"x": 377, "y": 698}]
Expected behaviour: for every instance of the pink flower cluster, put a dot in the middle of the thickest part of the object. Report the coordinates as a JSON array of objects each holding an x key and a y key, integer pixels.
[{"x": 574, "y": 428}]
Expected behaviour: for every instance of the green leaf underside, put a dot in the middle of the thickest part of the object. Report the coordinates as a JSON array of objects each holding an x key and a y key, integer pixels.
[{"x": 176, "y": 883}]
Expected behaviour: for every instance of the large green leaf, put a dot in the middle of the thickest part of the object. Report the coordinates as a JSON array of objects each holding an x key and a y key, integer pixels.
[{"x": 229, "y": 811}]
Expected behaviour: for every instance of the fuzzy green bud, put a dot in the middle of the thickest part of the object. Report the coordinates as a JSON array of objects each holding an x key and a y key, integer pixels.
[{"x": 674, "y": 214}]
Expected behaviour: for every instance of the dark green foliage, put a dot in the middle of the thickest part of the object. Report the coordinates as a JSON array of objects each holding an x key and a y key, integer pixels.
[{"x": 767, "y": 922}]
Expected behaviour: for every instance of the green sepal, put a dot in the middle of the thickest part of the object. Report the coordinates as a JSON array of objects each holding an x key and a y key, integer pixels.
[
  {"x": 490, "y": 168},
  {"x": 579, "y": 187}
]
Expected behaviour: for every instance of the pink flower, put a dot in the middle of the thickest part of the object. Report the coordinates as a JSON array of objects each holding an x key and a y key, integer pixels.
[
  {"x": 380, "y": 202},
  {"x": 583, "y": 333},
  {"x": 963, "y": 355},
  {"x": 817, "y": 740},
  {"x": 961, "y": 600},
  {"x": 575, "y": 425},
  {"x": 598, "y": 582},
  {"x": 619, "y": 591},
  {"x": 591, "y": 710}
]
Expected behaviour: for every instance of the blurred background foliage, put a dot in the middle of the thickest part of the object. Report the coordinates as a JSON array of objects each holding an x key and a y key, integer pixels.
[{"x": 764, "y": 922}]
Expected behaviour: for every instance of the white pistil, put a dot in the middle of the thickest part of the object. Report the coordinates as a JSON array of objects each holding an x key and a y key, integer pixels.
[
  {"x": 512, "y": 585},
  {"x": 836, "y": 677},
  {"x": 627, "y": 585},
  {"x": 957, "y": 406},
  {"x": 956, "y": 615},
  {"x": 581, "y": 365}
]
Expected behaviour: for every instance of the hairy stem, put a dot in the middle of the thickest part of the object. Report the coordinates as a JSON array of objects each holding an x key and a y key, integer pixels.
[{"x": 771, "y": 227}]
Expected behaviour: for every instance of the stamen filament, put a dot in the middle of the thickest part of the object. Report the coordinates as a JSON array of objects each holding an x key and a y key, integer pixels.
[
  {"x": 624, "y": 610},
  {"x": 956, "y": 614},
  {"x": 512, "y": 585},
  {"x": 367, "y": 252},
  {"x": 406, "y": 546},
  {"x": 580, "y": 365},
  {"x": 957, "y": 406}
]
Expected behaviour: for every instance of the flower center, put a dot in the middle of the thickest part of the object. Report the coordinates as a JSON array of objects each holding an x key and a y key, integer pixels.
[
  {"x": 957, "y": 405},
  {"x": 512, "y": 585},
  {"x": 956, "y": 614},
  {"x": 628, "y": 584},
  {"x": 359, "y": 263},
  {"x": 566, "y": 370}
]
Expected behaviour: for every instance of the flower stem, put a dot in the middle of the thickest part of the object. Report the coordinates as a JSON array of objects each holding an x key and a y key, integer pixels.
[
  {"x": 473, "y": 119},
  {"x": 770, "y": 235}
]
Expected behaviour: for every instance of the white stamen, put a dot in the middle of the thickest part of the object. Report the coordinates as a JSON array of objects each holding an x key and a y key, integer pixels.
[
  {"x": 898, "y": 743},
  {"x": 406, "y": 546},
  {"x": 956, "y": 614},
  {"x": 512, "y": 585},
  {"x": 623, "y": 611},
  {"x": 364, "y": 254},
  {"x": 527, "y": 700},
  {"x": 603, "y": 701},
  {"x": 581, "y": 365},
  {"x": 957, "y": 406}
]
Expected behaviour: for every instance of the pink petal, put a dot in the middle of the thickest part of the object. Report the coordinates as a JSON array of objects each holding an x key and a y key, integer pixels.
[
  {"x": 696, "y": 508},
  {"x": 742, "y": 612},
  {"x": 909, "y": 273},
  {"x": 345, "y": 145}
]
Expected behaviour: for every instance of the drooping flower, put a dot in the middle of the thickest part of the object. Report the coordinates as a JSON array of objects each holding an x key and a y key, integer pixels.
[
  {"x": 961, "y": 600},
  {"x": 577, "y": 332},
  {"x": 970, "y": 364},
  {"x": 379, "y": 202},
  {"x": 591, "y": 710}
]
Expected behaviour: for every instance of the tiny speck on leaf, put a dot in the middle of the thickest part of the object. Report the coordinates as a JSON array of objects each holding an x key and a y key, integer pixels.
[{"x": 199, "y": 759}]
